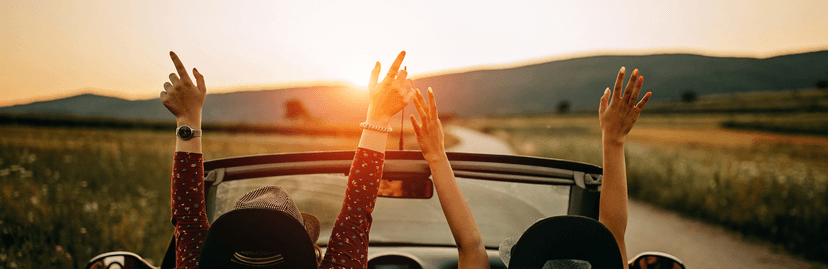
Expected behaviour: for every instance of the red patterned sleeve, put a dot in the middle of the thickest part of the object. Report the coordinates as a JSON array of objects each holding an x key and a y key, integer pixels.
[
  {"x": 348, "y": 245},
  {"x": 188, "y": 212}
]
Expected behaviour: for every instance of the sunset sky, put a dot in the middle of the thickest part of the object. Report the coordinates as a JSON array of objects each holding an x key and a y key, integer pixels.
[{"x": 54, "y": 49}]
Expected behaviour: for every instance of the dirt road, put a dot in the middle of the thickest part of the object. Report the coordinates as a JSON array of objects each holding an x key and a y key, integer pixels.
[{"x": 697, "y": 244}]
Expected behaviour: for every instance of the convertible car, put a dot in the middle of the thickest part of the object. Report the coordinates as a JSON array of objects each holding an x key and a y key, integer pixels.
[{"x": 506, "y": 193}]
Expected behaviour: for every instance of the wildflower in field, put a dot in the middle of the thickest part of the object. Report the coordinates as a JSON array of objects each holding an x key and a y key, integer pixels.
[{"x": 90, "y": 207}]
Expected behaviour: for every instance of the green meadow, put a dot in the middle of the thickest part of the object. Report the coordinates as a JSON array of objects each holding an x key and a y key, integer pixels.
[
  {"x": 70, "y": 194},
  {"x": 765, "y": 185}
]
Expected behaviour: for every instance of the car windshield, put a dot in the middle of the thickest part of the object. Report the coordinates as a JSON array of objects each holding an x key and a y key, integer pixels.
[{"x": 501, "y": 209}]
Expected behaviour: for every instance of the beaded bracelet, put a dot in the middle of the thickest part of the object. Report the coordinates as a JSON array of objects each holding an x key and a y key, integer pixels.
[{"x": 365, "y": 125}]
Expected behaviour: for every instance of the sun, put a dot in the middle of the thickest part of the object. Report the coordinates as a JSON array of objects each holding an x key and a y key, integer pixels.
[
  {"x": 361, "y": 84},
  {"x": 357, "y": 79},
  {"x": 356, "y": 70}
]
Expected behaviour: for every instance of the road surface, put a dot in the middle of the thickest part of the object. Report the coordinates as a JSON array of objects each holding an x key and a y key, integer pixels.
[{"x": 697, "y": 244}]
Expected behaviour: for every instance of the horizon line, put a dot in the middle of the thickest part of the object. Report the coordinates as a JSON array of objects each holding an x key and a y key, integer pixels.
[{"x": 342, "y": 83}]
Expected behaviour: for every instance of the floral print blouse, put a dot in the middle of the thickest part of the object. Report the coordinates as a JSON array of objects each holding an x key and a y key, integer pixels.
[{"x": 348, "y": 244}]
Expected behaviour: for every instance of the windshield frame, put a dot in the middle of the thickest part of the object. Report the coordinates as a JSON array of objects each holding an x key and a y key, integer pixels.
[{"x": 584, "y": 179}]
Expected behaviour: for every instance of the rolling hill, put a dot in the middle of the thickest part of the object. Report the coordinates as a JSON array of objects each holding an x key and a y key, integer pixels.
[
  {"x": 581, "y": 81},
  {"x": 335, "y": 104},
  {"x": 533, "y": 88}
]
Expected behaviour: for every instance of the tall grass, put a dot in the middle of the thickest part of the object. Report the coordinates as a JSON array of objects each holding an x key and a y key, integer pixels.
[
  {"x": 70, "y": 194},
  {"x": 774, "y": 191}
]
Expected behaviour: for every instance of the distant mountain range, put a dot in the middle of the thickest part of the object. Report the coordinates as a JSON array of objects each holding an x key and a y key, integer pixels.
[{"x": 536, "y": 88}]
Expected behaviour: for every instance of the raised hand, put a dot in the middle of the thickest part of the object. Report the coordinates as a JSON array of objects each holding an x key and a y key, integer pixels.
[
  {"x": 470, "y": 249},
  {"x": 430, "y": 132},
  {"x": 183, "y": 98},
  {"x": 391, "y": 95},
  {"x": 619, "y": 114}
]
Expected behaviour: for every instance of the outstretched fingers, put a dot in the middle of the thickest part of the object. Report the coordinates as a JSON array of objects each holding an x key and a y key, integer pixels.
[
  {"x": 395, "y": 67},
  {"x": 432, "y": 104},
  {"x": 419, "y": 102},
  {"x": 179, "y": 67},
  {"x": 199, "y": 81},
  {"x": 643, "y": 101},
  {"x": 414, "y": 123},
  {"x": 604, "y": 102},
  {"x": 636, "y": 90},
  {"x": 619, "y": 81},
  {"x": 374, "y": 76},
  {"x": 629, "y": 97}
]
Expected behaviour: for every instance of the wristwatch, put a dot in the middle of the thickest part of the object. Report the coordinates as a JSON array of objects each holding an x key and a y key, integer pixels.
[{"x": 186, "y": 132}]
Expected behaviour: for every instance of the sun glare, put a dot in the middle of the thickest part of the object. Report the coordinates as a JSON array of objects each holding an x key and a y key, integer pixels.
[{"x": 356, "y": 69}]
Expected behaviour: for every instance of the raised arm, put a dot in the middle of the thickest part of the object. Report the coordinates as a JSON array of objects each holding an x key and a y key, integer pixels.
[
  {"x": 471, "y": 252},
  {"x": 184, "y": 100},
  {"x": 618, "y": 114},
  {"x": 348, "y": 245}
]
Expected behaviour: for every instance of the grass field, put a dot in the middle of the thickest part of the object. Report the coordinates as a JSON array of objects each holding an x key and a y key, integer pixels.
[
  {"x": 763, "y": 185},
  {"x": 798, "y": 100},
  {"x": 70, "y": 194}
]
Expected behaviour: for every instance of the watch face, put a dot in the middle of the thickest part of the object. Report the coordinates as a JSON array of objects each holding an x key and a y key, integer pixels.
[{"x": 185, "y": 132}]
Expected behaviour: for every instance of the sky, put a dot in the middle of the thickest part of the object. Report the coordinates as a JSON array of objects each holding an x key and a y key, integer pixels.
[{"x": 51, "y": 49}]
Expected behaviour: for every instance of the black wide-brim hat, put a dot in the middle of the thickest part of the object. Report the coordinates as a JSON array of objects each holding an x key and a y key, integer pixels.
[
  {"x": 562, "y": 238},
  {"x": 264, "y": 230}
]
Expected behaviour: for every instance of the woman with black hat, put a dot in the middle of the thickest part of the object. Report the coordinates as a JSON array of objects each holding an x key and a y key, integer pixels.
[
  {"x": 581, "y": 242},
  {"x": 266, "y": 230}
]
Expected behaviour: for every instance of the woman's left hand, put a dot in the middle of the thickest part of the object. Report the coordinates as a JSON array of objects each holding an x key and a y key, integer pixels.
[
  {"x": 183, "y": 98},
  {"x": 391, "y": 95},
  {"x": 430, "y": 133}
]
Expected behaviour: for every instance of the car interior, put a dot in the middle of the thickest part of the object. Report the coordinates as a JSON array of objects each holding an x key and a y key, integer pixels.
[{"x": 406, "y": 182}]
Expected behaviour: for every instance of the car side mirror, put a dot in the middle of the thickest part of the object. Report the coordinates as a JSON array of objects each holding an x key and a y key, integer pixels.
[
  {"x": 118, "y": 260},
  {"x": 417, "y": 186},
  {"x": 656, "y": 260}
]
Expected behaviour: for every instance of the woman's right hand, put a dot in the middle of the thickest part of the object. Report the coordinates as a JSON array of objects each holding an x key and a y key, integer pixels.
[
  {"x": 183, "y": 98},
  {"x": 618, "y": 117},
  {"x": 430, "y": 132},
  {"x": 390, "y": 95}
]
